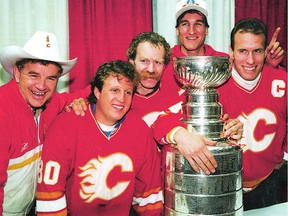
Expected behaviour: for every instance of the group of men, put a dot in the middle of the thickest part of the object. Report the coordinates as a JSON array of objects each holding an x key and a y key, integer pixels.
[{"x": 107, "y": 160}]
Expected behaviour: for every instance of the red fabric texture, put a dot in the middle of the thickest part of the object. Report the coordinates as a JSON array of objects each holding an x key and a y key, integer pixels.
[
  {"x": 272, "y": 12},
  {"x": 101, "y": 31}
]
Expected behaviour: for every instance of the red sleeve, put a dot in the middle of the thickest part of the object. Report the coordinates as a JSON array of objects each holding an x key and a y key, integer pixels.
[
  {"x": 164, "y": 124},
  {"x": 66, "y": 98},
  {"x": 82, "y": 93},
  {"x": 54, "y": 170},
  {"x": 148, "y": 195}
]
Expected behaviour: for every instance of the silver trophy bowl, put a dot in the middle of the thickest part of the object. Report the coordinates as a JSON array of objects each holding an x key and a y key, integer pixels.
[
  {"x": 186, "y": 191},
  {"x": 201, "y": 71},
  {"x": 200, "y": 75}
]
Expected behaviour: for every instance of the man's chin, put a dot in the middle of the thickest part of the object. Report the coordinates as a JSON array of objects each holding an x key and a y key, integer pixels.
[{"x": 36, "y": 105}]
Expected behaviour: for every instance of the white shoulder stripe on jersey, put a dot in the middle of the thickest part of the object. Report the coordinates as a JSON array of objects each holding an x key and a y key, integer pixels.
[
  {"x": 153, "y": 198},
  {"x": 246, "y": 189},
  {"x": 26, "y": 155},
  {"x": 51, "y": 206}
]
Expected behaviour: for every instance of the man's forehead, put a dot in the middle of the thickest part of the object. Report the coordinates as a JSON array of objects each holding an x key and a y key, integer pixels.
[
  {"x": 248, "y": 36},
  {"x": 149, "y": 50},
  {"x": 116, "y": 78},
  {"x": 41, "y": 69},
  {"x": 149, "y": 44}
]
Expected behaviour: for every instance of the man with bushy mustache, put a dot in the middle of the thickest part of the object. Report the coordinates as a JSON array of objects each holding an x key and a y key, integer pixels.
[{"x": 150, "y": 53}]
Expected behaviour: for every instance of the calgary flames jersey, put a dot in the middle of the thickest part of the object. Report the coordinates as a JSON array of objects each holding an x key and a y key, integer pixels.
[
  {"x": 150, "y": 107},
  {"x": 85, "y": 172},
  {"x": 262, "y": 110}
]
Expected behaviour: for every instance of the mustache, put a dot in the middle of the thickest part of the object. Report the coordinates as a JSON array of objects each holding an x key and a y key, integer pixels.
[{"x": 147, "y": 75}]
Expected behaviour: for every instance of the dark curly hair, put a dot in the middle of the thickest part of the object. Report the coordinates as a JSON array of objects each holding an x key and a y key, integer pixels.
[
  {"x": 21, "y": 63},
  {"x": 117, "y": 67}
]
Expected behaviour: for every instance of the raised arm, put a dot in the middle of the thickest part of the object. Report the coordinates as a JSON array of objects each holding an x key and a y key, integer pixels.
[{"x": 275, "y": 53}]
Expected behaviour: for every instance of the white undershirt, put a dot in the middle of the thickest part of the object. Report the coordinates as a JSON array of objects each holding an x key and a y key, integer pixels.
[
  {"x": 106, "y": 128},
  {"x": 247, "y": 84}
]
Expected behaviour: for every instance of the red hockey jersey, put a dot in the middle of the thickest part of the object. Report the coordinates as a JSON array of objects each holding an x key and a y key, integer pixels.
[
  {"x": 262, "y": 110},
  {"x": 88, "y": 173}
]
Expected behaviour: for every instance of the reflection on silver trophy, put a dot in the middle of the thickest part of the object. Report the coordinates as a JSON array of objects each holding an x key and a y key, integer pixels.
[{"x": 186, "y": 191}]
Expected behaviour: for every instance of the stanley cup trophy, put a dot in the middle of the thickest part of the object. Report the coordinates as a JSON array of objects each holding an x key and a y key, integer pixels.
[{"x": 186, "y": 191}]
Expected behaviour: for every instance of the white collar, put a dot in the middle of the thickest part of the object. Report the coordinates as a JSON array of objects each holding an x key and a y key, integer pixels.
[
  {"x": 246, "y": 84},
  {"x": 106, "y": 128}
]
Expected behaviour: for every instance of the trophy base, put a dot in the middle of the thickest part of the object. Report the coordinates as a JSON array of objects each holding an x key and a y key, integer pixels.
[{"x": 190, "y": 193}]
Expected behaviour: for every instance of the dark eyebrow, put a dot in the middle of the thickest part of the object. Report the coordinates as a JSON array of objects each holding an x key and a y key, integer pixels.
[
  {"x": 260, "y": 49},
  {"x": 54, "y": 76},
  {"x": 36, "y": 73},
  {"x": 200, "y": 21},
  {"x": 32, "y": 72}
]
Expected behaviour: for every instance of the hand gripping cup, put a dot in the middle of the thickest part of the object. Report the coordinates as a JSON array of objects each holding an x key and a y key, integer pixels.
[
  {"x": 200, "y": 75},
  {"x": 186, "y": 191}
]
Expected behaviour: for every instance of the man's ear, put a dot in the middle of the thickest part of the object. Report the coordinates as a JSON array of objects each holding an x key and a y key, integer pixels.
[
  {"x": 231, "y": 53},
  {"x": 16, "y": 73},
  {"x": 131, "y": 61},
  {"x": 231, "y": 58},
  {"x": 206, "y": 32},
  {"x": 177, "y": 32},
  {"x": 96, "y": 93}
]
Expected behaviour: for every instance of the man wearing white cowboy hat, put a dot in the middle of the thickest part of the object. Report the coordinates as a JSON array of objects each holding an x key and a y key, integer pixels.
[{"x": 28, "y": 105}]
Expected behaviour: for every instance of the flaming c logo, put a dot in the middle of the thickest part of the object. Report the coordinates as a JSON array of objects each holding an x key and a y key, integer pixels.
[
  {"x": 250, "y": 124},
  {"x": 95, "y": 173}
]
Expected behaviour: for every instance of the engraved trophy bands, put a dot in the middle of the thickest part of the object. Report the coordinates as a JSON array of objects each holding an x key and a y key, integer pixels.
[{"x": 186, "y": 191}]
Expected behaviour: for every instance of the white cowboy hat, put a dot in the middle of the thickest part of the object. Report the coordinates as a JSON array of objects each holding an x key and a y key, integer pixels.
[
  {"x": 185, "y": 5},
  {"x": 42, "y": 46}
]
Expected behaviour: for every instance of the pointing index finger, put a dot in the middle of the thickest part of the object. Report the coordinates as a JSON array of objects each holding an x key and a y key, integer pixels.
[{"x": 275, "y": 36}]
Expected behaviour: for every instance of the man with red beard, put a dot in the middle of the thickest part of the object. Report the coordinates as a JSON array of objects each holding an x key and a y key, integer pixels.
[{"x": 150, "y": 53}]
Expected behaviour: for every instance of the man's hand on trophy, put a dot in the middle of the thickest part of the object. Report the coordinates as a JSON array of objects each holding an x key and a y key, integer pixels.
[
  {"x": 233, "y": 128},
  {"x": 193, "y": 147}
]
